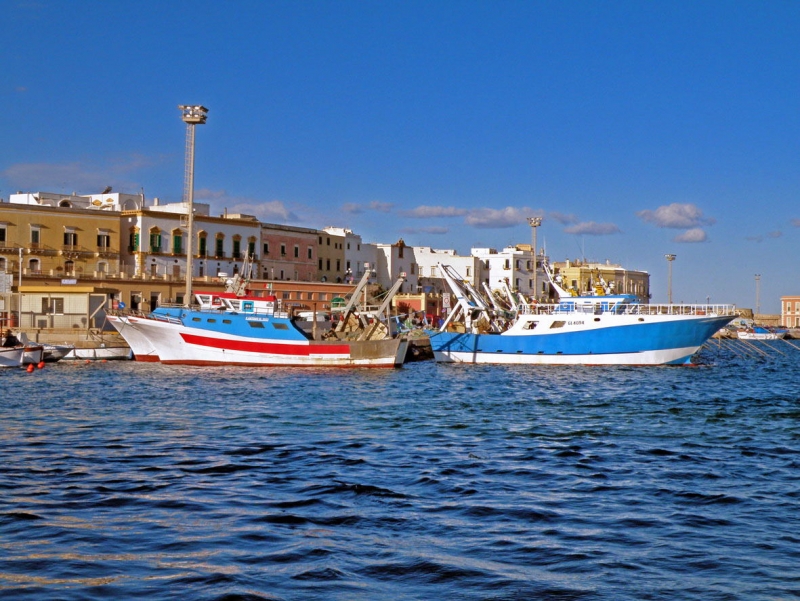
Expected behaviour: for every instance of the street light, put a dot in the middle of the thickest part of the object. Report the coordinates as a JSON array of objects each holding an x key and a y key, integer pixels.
[
  {"x": 193, "y": 114},
  {"x": 758, "y": 294},
  {"x": 535, "y": 222},
  {"x": 670, "y": 259}
]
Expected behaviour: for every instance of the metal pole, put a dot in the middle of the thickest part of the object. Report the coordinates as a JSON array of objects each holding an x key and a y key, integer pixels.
[
  {"x": 187, "y": 301},
  {"x": 192, "y": 115},
  {"x": 670, "y": 259},
  {"x": 758, "y": 294},
  {"x": 19, "y": 291},
  {"x": 535, "y": 222}
]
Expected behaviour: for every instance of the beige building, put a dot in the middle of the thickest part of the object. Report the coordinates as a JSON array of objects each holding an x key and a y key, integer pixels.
[
  {"x": 59, "y": 241},
  {"x": 584, "y": 278},
  {"x": 790, "y": 311},
  {"x": 330, "y": 257}
]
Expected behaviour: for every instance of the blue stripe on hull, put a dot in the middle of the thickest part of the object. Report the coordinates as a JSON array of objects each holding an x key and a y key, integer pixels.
[{"x": 615, "y": 340}]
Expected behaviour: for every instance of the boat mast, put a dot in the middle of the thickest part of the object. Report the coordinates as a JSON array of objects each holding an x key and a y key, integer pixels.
[{"x": 192, "y": 115}]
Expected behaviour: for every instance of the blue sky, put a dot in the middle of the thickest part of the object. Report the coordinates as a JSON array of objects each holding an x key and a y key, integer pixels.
[{"x": 636, "y": 129}]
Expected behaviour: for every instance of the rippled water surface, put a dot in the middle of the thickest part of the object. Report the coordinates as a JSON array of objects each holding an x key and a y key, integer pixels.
[{"x": 129, "y": 480}]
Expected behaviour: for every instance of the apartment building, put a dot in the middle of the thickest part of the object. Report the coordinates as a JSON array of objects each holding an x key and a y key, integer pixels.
[{"x": 288, "y": 253}]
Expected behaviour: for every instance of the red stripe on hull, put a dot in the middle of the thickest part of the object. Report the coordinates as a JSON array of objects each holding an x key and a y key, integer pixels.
[
  {"x": 268, "y": 347},
  {"x": 147, "y": 358},
  {"x": 200, "y": 363}
]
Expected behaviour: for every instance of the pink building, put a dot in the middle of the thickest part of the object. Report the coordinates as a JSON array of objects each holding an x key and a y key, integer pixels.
[{"x": 288, "y": 253}]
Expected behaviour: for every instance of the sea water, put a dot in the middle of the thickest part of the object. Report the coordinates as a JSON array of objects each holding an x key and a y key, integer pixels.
[{"x": 133, "y": 480}]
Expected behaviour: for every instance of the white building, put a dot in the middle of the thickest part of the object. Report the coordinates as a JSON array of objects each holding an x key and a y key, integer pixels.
[
  {"x": 394, "y": 260},
  {"x": 514, "y": 265},
  {"x": 429, "y": 275},
  {"x": 105, "y": 201},
  {"x": 157, "y": 240},
  {"x": 357, "y": 253}
]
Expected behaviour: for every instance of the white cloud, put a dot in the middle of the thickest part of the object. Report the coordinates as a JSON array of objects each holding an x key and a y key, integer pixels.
[
  {"x": 676, "y": 215},
  {"x": 497, "y": 218},
  {"x": 425, "y": 211},
  {"x": 590, "y": 228},
  {"x": 352, "y": 208},
  {"x": 78, "y": 176},
  {"x": 562, "y": 218},
  {"x": 693, "y": 235},
  {"x": 380, "y": 207},
  {"x": 435, "y": 231},
  {"x": 270, "y": 211}
]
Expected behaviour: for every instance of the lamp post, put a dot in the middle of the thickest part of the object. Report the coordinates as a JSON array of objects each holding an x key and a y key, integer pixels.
[
  {"x": 670, "y": 259},
  {"x": 535, "y": 222},
  {"x": 192, "y": 115},
  {"x": 758, "y": 294}
]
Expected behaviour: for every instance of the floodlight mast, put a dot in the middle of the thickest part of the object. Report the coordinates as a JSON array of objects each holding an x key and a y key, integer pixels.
[
  {"x": 193, "y": 114},
  {"x": 535, "y": 222}
]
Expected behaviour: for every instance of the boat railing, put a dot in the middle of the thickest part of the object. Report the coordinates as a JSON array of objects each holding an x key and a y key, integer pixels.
[{"x": 599, "y": 307}]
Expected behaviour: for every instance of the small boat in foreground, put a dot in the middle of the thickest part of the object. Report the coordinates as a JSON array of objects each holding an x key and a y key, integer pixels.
[
  {"x": 11, "y": 356},
  {"x": 582, "y": 330},
  {"x": 760, "y": 333}
]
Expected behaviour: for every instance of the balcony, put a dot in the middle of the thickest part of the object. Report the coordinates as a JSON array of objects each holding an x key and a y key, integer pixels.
[
  {"x": 105, "y": 251},
  {"x": 73, "y": 250}
]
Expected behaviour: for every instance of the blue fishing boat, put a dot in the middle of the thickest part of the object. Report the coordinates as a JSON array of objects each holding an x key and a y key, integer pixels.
[
  {"x": 241, "y": 329},
  {"x": 582, "y": 330}
]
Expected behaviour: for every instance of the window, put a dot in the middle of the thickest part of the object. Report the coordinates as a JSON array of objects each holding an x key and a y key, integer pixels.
[
  {"x": 219, "y": 251},
  {"x": 251, "y": 248},
  {"x": 36, "y": 236},
  {"x": 70, "y": 238},
  {"x": 53, "y": 306},
  {"x": 328, "y": 242},
  {"x": 296, "y": 251},
  {"x": 177, "y": 243},
  {"x": 320, "y": 264},
  {"x": 203, "y": 246},
  {"x": 103, "y": 240},
  {"x": 155, "y": 242},
  {"x": 327, "y": 265},
  {"x": 69, "y": 266},
  {"x": 338, "y": 264},
  {"x": 280, "y": 326},
  {"x": 266, "y": 248},
  {"x": 283, "y": 250},
  {"x": 237, "y": 248},
  {"x": 133, "y": 242},
  {"x": 35, "y": 266},
  {"x": 310, "y": 255},
  {"x": 2, "y": 235}
]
